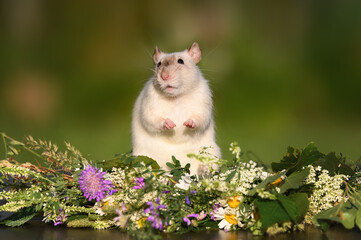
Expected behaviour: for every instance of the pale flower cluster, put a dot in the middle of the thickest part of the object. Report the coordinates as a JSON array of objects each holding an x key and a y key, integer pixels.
[
  {"x": 235, "y": 150},
  {"x": 243, "y": 180},
  {"x": 123, "y": 179},
  {"x": 327, "y": 191}
]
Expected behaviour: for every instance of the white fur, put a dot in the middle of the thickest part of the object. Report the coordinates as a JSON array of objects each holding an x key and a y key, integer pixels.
[{"x": 189, "y": 98}]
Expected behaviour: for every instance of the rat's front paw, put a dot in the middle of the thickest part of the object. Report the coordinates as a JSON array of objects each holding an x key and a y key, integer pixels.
[
  {"x": 190, "y": 123},
  {"x": 168, "y": 124}
]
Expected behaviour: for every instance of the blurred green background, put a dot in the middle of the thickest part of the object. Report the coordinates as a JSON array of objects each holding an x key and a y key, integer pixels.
[{"x": 282, "y": 72}]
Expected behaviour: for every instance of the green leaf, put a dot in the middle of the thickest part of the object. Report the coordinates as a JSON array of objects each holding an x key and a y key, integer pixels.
[
  {"x": 295, "y": 180},
  {"x": 20, "y": 217},
  {"x": 264, "y": 183},
  {"x": 128, "y": 160},
  {"x": 289, "y": 206},
  {"x": 231, "y": 175},
  {"x": 358, "y": 218},
  {"x": 176, "y": 162},
  {"x": 344, "y": 213},
  {"x": 348, "y": 219},
  {"x": 334, "y": 165},
  {"x": 271, "y": 212},
  {"x": 324, "y": 225},
  {"x": 209, "y": 224},
  {"x": 309, "y": 155},
  {"x": 295, "y": 160},
  {"x": 287, "y": 161},
  {"x": 75, "y": 217},
  {"x": 170, "y": 165},
  {"x": 148, "y": 160},
  {"x": 325, "y": 215},
  {"x": 301, "y": 201}
]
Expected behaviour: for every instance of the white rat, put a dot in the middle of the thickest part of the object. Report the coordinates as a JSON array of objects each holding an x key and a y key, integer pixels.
[{"x": 172, "y": 115}]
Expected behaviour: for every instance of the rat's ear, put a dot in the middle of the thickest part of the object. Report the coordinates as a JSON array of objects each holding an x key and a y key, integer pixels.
[
  {"x": 156, "y": 55},
  {"x": 195, "y": 52}
]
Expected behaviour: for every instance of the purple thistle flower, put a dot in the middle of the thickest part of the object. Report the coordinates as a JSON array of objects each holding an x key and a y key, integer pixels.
[
  {"x": 140, "y": 183},
  {"x": 93, "y": 185}
]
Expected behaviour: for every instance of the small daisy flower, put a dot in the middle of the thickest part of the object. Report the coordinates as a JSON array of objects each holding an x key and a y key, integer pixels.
[{"x": 228, "y": 218}]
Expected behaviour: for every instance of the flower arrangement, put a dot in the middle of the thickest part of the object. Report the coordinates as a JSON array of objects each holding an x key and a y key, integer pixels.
[{"x": 132, "y": 194}]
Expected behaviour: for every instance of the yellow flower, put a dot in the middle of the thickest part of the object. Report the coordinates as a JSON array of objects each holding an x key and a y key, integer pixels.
[
  {"x": 231, "y": 218},
  {"x": 142, "y": 221},
  {"x": 233, "y": 202}
]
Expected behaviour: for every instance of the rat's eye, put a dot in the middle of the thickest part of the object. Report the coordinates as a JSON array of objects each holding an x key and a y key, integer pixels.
[
  {"x": 158, "y": 65},
  {"x": 180, "y": 61}
]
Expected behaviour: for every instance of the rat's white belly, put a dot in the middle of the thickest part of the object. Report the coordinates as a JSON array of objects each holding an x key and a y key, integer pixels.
[{"x": 161, "y": 147}]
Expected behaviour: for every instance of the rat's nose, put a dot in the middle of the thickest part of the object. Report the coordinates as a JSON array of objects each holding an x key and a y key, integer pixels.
[{"x": 165, "y": 76}]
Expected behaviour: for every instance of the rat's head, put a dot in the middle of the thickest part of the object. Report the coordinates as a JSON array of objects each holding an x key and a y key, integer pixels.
[{"x": 177, "y": 73}]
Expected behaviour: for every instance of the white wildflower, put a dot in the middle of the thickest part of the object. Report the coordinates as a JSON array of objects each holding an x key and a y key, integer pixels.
[
  {"x": 184, "y": 182},
  {"x": 227, "y": 217},
  {"x": 327, "y": 191}
]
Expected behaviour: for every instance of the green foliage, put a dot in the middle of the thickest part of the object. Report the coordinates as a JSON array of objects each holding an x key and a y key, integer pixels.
[
  {"x": 20, "y": 217},
  {"x": 347, "y": 213},
  {"x": 295, "y": 160},
  {"x": 176, "y": 170},
  {"x": 287, "y": 161},
  {"x": 289, "y": 206},
  {"x": 271, "y": 212},
  {"x": 80, "y": 221},
  {"x": 295, "y": 180},
  {"x": 335, "y": 165},
  {"x": 285, "y": 208},
  {"x": 302, "y": 203}
]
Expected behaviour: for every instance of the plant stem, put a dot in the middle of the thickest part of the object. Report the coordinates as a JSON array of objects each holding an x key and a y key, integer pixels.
[
  {"x": 5, "y": 145},
  {"x": 354, "y": 192},
  {"x": 26, "y": 148}
]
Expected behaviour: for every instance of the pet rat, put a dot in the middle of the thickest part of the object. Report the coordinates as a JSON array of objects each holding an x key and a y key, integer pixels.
[{"x": 173, "y": 114}]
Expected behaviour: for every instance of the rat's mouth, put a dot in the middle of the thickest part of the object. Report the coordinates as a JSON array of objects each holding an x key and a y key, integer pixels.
[{"x": 169, "y": 88}]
